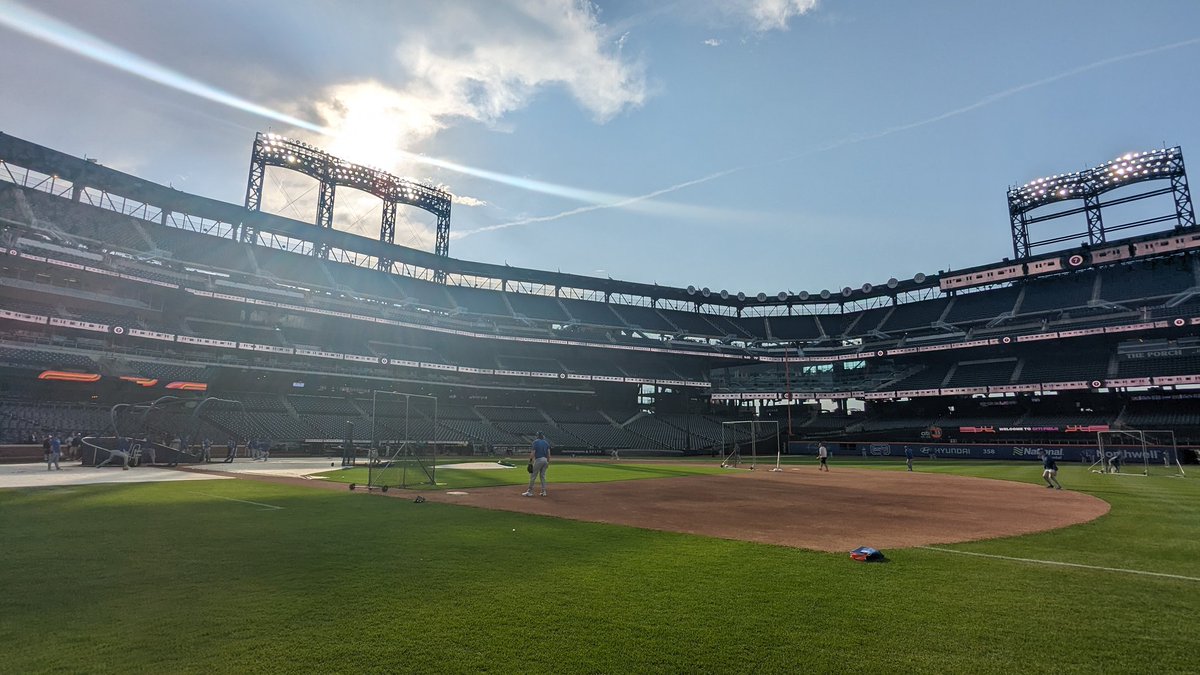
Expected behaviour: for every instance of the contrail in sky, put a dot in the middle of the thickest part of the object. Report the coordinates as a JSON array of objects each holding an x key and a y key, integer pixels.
[
  {"x": 627, "y": 201},
  {"x": 65, "y": 36},
  {"x": 849, "y": 140}
]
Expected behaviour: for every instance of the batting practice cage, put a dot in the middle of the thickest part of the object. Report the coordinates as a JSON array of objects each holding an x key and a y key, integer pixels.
[
  {"x": 1136, "y": 452},
  {"x": 170, "y": 430},
  {"x": 404, "y": 440},
  {"x": 745, "y": 442}
]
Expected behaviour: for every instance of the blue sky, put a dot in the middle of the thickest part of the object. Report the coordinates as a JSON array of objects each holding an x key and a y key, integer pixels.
[{"x": 851, "y": 141}]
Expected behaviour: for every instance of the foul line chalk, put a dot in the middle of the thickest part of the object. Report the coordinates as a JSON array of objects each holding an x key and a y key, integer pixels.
[
  {"x": 1064, "y": 564},
  {"x": 243, "y": 501}
]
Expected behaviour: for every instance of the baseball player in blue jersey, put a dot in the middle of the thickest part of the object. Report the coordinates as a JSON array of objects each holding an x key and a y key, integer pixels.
[
  {"x": 1050, "y": 472},
  {"x": 55, "y": 454},
  {"x": 539, "y": 459}
]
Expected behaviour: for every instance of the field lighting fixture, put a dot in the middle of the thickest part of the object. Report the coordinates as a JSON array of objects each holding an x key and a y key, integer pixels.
[
  {"x": 1088, "y": 186},
  {"x": 1124, "y": 170},
  {"x": 274, "y": 150}
]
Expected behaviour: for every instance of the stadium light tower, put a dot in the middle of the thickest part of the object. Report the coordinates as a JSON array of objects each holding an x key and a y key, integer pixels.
[
  {"x": 331, "y": 172},
  {"x": 1088, "y": 186}
]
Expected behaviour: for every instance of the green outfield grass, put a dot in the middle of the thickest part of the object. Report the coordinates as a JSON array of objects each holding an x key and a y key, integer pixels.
[
  {"x": 170, "y": 577},
  {"x": 561, "y": 471}
]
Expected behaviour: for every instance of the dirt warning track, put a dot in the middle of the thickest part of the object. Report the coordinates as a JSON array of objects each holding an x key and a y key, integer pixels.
[{"x": 804, "y": 508}]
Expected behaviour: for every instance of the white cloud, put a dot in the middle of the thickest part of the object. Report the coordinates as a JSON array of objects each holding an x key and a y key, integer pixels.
[
  {"x": 713, "y": 42},
  {"x": 479, "y": 65},
  {"x": 458, "y": 64},
  {"x": 464, "y": 200},
  {"x": 766, "y": 15}
]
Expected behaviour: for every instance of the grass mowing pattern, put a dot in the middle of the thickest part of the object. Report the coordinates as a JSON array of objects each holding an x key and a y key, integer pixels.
[{"x": 165, "y": 578}]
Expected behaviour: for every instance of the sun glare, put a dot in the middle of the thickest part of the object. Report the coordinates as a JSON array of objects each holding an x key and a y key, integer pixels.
[{"x": 373, "y": 125}]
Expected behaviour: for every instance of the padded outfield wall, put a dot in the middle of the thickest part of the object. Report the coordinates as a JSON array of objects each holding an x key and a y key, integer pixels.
[{"x": 1025, "y": 451}]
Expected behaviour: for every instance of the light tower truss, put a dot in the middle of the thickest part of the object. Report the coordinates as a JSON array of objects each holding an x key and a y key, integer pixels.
[
  {"x": 331, "y": 172},
  {"x": 1089, "y": 185}
]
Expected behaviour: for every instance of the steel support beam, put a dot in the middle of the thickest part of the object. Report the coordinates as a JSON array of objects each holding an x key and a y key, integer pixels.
[
  {"x": 1095, "y": 222},
  {"x": 1020, "y": 235},
  {"x": 1185, "y": 216},
  {"x": 387, "y": 232},
  {"x": 442, "y": 245},
  {"x": 254, "y": 184},
  {"x": 254, "y": 192},
  {"x": 325, "y": 215}
]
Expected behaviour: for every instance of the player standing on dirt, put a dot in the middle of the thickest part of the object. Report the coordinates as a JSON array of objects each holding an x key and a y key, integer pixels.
[
  {"x": 823, "y": 455},
  {"x": 539, "y": 459}
]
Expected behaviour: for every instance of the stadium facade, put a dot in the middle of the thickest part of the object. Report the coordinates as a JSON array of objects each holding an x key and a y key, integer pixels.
[{"x": 116, "y": 289}]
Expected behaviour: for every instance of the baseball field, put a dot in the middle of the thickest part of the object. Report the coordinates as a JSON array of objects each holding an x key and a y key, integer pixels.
[{"x": 243, "y": 575}]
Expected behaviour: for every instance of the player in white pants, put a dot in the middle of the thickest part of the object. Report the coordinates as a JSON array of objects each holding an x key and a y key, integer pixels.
[{"x": 1050, "y": 472}]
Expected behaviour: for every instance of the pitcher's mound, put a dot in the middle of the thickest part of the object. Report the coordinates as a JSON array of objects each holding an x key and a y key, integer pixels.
[{"x": 801, "y": 507}]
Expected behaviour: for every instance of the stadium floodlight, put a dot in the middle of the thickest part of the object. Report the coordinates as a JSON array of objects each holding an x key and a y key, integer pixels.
[
  {"x": 705, "y": 291},
  {"x": 846, "y": 291},
  {"x": 803, "y": 295},
  {"x": 867, "y": 288},
  {"x": 919, "y": 278},
  {"x": 762, "y": 297},
  {"x": 893, "y": 282},
  {"x": 724, "y": 294},
  {"x": 741, "y": 296},
  {"x": 782, "y": 296},
  {"x": 691, "y": 290},
  {"x": 1128, "y": 168},
  {"x": 331, "y": 172},
  {"x": 1088, "y": 185}
]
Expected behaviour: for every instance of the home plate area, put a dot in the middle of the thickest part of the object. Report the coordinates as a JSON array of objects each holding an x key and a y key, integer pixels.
[{"x": 834, "y": 511}]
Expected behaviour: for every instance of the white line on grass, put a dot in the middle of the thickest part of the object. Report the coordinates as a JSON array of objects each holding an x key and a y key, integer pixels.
[
  {"x": 205, "y": 494},
  {"x": 1063, "y": 564}
]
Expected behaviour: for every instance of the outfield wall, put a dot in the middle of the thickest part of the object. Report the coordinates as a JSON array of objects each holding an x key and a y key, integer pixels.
[{"x": 1018, "y": 451}]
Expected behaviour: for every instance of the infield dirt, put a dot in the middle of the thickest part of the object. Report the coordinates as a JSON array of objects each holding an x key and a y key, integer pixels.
[{"x": 801, "y": 507}]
